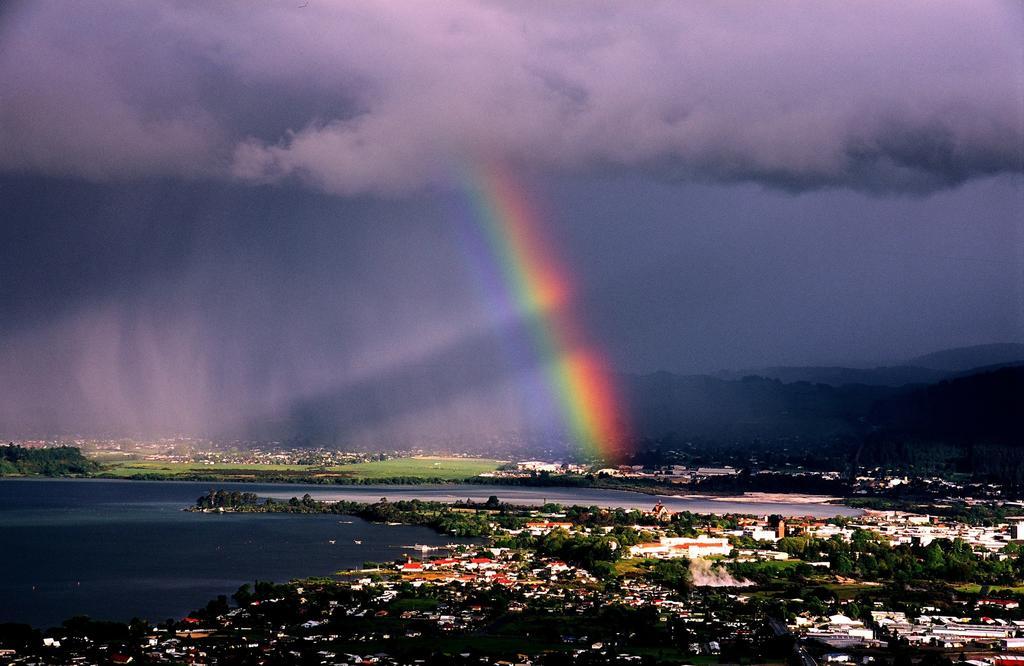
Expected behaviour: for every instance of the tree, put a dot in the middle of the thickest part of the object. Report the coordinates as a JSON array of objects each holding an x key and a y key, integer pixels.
[{"x": 243, "y": 596}]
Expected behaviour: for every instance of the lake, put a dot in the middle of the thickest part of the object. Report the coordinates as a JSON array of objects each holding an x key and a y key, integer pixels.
[
  {"x": 118, "y": 549},
  {"x": 754, "y": 504},
  {"x": 115, "y": 550}
]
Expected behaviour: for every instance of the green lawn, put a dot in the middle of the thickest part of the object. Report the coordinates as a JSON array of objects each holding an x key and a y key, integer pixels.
[
  {"x": 634, "y": 566},
  {"x": 110, "y": 457},
  {"x": 847, "y": 591},
  {"x": 413, "y": 604},
  {"x": 142, "y": 467},
  {"x": 447, "y": 469},
  {"x": 432, "y": 467},
  {"x": 974, "y": 588}
]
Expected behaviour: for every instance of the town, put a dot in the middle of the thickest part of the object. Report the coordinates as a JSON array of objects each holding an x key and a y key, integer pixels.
[
  {"x": 713, "y": 471},
  {"x": 583, "y": 585},
  {"x": 500, "y": 333}
]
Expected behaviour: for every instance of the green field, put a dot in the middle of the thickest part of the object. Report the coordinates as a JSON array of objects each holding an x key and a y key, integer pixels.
[
  {"x": 974, "y": 588},
  {"x": 449, "y": 469},
  {"x": 445, "y": 469},
  {"x": 847, "y": 591},
  {"x": 132, "y": 468},
  {"x": 633, "y": 566}
]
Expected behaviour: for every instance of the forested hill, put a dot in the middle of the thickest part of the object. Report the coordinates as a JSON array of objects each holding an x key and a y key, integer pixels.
[
  {"x": 59, "y": 461},
  {"x": 927, "y": 369},
  {"x": 707, "y": 407},
  {"x": 961, "y": 359},
  {"x": 973, "y": 425},
  {"x": 663, "y": 408},
  {"x": 986, "y": 407}
]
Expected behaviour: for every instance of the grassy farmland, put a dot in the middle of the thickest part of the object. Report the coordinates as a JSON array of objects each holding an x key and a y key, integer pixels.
[
  {"x": 432, "y": 468},
  {"x": 449, "y": 469},
  {"x": 134, "y": 468}
]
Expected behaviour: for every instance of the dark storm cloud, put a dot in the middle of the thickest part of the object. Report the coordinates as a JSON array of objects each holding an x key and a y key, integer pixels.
[
  {"x": 375, "y": 97},
  {"x": 174, "y": 255},
  {"x": 224, "y": 308}
]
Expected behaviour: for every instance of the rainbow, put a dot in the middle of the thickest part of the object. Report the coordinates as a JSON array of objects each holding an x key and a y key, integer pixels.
[{"x": 538, "y": 289}]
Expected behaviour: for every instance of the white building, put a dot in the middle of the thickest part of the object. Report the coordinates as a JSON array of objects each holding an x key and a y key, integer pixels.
[
  {"x": 538, "y": 466},
  {"x": 717, "y": 471},
  {"x": 674, "y": 547},
  {"x": 1017, "y": 531}
]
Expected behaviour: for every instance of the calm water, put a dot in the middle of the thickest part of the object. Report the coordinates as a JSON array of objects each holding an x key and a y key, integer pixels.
[
  {"x": 118, "y": 549},
  {"x": 566, "y": 496},
  {"x": 114, "y": 550}
]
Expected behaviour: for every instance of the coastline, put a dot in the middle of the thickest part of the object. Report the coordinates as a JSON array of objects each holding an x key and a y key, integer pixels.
[
  {"x": 610, "y": 498},
  {"x": 574, "y": 483},
  {"x": 765, "y": 497}
]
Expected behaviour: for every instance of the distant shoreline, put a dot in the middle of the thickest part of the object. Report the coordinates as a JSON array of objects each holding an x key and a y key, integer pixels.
[
  {"x": 721, "y": 504},
  {"x": 654, "y": 490},
  {"x": 755, "y": 497}
]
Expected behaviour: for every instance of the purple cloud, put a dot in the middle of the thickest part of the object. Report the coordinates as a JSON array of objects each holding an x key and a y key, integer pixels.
[{"x": 362, "y": 97}]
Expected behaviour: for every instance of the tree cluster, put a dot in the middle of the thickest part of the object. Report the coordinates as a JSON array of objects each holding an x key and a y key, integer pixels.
[{"x": 55, "y": 461}]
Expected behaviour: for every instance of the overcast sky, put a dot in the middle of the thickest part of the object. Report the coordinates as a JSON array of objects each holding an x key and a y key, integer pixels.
[{"x": 213, "y": 210}]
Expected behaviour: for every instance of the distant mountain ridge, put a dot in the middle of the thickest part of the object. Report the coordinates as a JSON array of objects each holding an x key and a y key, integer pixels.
[
  {"x": 973, "y": 424},
  {"x": 986, "y": 406},
  {"x": 796, "y": 404},
  {"x": 926, "y": 369},
  {"x": 898, "y": 375},
  {"x": 965, "y": 358},
  {"x": 710, "y": 407}
]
